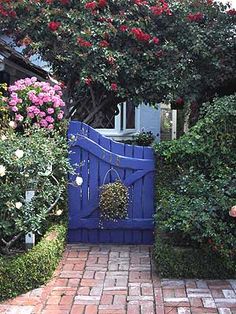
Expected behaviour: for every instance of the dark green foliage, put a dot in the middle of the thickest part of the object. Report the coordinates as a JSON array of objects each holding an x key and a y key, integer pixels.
[
  {"x": 196, "y": 188},
  {"x": 144, "y": 138},
  {"x": 22, "y": 273},
  {"x": 177, "y": 262}
]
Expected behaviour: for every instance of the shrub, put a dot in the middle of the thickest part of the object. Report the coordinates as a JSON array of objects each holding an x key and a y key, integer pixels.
[
  {"x": 197, "y": 184},
  {"x": 22, "y": 273},
  {"x": 178, "y": 262},
  {"x": 34, "y": 103},
  {"x": 36, "y": 162}
]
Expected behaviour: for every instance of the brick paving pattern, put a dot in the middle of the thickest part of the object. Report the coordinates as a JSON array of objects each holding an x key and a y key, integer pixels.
[{"x": 112, "y": 279}]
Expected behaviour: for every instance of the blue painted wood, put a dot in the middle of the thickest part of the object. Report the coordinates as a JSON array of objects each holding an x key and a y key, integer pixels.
[{"x": 135, "y": 166}]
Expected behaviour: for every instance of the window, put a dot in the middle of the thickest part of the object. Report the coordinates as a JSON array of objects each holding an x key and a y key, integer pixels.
[{"x": 123, "y": 123}]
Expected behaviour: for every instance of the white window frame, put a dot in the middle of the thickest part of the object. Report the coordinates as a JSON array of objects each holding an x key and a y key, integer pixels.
[{"x": 117, "y": 131}]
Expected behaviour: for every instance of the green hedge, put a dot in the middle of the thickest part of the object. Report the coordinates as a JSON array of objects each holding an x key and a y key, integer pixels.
[
  {"x": 22, "y": 273},
  {"x": 178, "y": 262}
]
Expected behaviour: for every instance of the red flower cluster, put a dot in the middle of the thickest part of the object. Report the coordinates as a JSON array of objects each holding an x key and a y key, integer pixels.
[
  {"x": 160, "y": 8},
  {"x": 93, "y": 4},
  {"x": 104, "y": 44},
  {"x": 88, "y": 81},
  {"x": 65, "y": 2},
  {"x": 140, "y": 35},
  {"x": 140, "y": 2},
  {"x": 155, "y": 40},
  {"x": 83, "y": 43},
  {"x": 195, "y": 17},
  {"x": 179, "y": 101},
  {"x": 231, "y": 12},
  {"x": 123, "y": 28},
  {"x": 5, "y": 12},
  {"x": 102, "y": 3},
  {"x": 53, "y": 26},
  {"x": 114, "y": 86}
]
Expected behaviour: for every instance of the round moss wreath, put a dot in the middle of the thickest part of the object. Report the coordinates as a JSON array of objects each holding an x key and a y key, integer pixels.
[{"x": 113, "y": 202}]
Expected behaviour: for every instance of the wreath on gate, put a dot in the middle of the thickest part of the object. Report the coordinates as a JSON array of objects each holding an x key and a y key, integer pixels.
[{"x": 114, "y": 199}]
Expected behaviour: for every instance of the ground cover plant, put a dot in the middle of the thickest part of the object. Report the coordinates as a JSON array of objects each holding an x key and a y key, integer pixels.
[{"x": 197, "y": 189}]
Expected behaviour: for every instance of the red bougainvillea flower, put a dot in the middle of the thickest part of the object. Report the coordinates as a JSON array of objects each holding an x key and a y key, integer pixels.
[
  {"x": 140, "y": 2},
  {"x": 53, "y": 26},
  {"x": 49, "y": 1},
  {"x": 65, "y": 2},
  {"x": 160, "y": 8},
  {"x": 155, "y": 40},
  {"x": 102, "y": 3},
  {"x": 195, "y": 17},
  {"x": 104, "y": 44},
  {"x": 231, "y": 12},
  {"x": 123, "y": 28},
  {"x": 88, "y": 81},
  {"x": 83, "y": 43},
  {"x": 140, "y": 35},
  {"x": 91, "y": 5},
  {"x": 114, "y": 86},
  {"x": 179, "y": 101}
]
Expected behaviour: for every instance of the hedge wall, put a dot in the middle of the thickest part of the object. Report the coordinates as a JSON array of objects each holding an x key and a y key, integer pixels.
[{"x": 22, "y": 273}]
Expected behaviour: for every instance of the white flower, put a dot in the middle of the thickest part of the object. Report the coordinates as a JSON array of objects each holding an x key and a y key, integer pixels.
[
  {"x": 18, "y": 205},
  {"x": 3, "y": 137},
  {"x": 79, "y": 181},
  {"x": 2, "y": 171},
  {"x": 59, "y": 212},
  {"x": 12, "y": 124},
  {"x": 19, "y": 153}
]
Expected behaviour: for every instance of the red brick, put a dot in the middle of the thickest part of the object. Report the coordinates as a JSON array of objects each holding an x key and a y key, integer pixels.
[
  {"x": 54, "y": 300},
  {"x": 91, "y": 309},
  {"x": 83, "y": 291},
  {"x": 67, "y": 299},
  {"x": 106, "y": 299},
  {"x": 77, "y": 309}
]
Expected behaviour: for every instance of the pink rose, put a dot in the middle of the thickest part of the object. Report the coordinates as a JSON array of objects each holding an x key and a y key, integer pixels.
[
  {"x": 49, "y": 119},
  {"x": 30, "y": 115},
  {"x": 43, "y": 123},
  {"x": 60, "y": 116},
  {"x": 14, "y": 109},
  {"x": 42, "y": 114},
  {"x": 50, "y": 126},
  {"x": 19, "y": 117},
  {"x": 50, "y": 110}
]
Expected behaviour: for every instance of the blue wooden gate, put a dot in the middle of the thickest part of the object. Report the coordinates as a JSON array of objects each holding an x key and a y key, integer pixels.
[{"x": 97, "y": 154}]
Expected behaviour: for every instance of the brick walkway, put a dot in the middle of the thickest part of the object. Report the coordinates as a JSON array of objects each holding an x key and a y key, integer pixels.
[{"x": 119, "y": 279}]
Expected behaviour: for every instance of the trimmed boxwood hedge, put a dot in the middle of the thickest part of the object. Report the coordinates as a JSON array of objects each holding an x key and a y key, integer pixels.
[
  {"x": 179, "y": 262},
  {"x": 27, "y": 271}
]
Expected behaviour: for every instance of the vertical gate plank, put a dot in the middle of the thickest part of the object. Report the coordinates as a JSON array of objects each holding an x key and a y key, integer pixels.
[
  {"x": 137, "y": 235},
  {"x": 129, "y": 233},
  {"x": 104, "y": 235},
  {"x": 84, "y": 170},
  {"x": 118, "y": 149}
]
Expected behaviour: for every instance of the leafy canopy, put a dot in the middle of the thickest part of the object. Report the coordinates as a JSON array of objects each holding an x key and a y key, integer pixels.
[{"x": 107, "y": 51}]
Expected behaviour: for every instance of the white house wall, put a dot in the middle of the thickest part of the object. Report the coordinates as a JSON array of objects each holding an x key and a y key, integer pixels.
[{"x": 150, "y": 120}]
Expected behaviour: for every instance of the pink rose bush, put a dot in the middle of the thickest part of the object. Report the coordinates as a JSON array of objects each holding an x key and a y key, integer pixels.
[{"x": 31, "y": 102}]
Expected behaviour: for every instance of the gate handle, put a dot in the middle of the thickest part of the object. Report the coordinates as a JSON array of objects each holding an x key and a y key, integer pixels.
[{"x": 111, "y": 169}]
